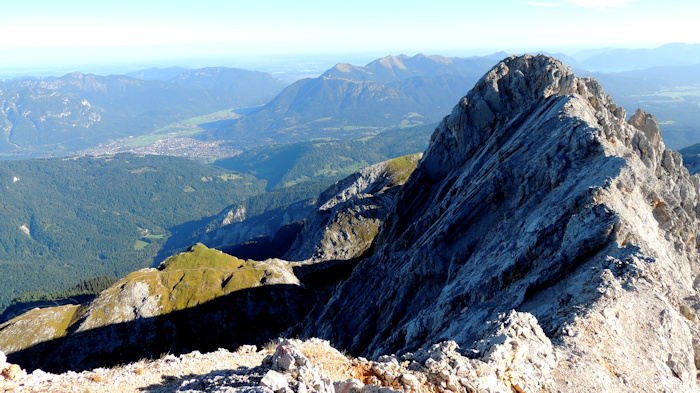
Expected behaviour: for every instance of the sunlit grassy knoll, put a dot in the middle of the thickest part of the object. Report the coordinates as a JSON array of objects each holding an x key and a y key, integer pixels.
[{"x": 140, "y": 245}]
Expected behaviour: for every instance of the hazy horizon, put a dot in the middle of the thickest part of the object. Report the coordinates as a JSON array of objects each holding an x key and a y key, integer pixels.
[
  {"x": 77, "y": 59},
  {"x": 50, "y": 38}
]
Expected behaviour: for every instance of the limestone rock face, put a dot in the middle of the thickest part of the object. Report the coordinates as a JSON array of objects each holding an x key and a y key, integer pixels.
[
  {"x": 347, "y": 215},
  {"x": 536, "y": 195}
]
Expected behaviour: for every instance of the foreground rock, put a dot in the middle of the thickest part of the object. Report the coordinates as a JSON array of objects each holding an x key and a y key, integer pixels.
[
  {"x": 293, "y": 366},
  {"x": 537, "y": 195}
]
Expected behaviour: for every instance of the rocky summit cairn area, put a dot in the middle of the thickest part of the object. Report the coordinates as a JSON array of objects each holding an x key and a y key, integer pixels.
[
  {"x": 293, "y": 366},
  {"x": 544, "y": 242}
]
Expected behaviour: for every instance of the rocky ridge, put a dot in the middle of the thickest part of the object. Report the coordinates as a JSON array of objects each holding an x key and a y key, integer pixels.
[
  {"x": 537, "y": 195},
  {"x": 288, "y": 366},
  {"x": 235, "y": 226},
  {"x": 347, "y": 216},
  {"x": 190, "y": 300}
]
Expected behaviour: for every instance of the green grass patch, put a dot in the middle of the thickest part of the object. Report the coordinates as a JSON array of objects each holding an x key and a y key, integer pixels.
[
  {"x": 183, "y": 128},
  {"x": 356, "y": 128},
  {"x": 160, "y": 134},
  {"x": 296, "y": 181},
  {"x": 402, "y": 167},
  {"x": 230, "y": 176},
  {"x": 321, "y": 120},
  {"x": 211, "y": 117},
  {"x": 140, "y": 245}
]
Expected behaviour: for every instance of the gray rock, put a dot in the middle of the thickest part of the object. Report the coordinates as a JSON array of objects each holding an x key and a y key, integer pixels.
[
  {"x": 235, "y": 225},
  {"x": 289, "y": 359},
  {"x": 274, "y": 381},
  {"x": 536, "y": 195},
  {"x": 410, "y": 382},
  {"x": 348, "y": 214},
  {"x": 348, "y": 386}
]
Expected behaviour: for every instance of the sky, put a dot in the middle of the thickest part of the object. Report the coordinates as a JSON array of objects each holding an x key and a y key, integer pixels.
[{"x": 50, "y": 33}]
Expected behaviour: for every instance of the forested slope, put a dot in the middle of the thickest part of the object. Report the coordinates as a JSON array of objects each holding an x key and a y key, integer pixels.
[{"x": 69, "y": 219}]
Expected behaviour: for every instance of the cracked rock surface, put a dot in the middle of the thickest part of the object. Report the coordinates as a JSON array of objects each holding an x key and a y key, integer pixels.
[{"x": 537, "y": 195}]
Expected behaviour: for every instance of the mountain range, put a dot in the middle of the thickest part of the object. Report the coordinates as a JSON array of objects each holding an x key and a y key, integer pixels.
[
  {"x": 59, "y": 116},
  {"x": 545, "y": 241},
  {"x": 349, "y": 101},
  {"x": 229, "y": 110}
]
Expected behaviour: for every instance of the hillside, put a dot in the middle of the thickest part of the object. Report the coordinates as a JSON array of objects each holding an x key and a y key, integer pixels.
[
  {"x": 65, "y": 220},
  {"x": 206, "y": 284},
  {"x": 348, "y": 101},
  {"x": 691, "y": 158},
  {"x": 190, "y": 300},
  {"x": 162, "y": 205},
  {"x": 327, "y": 159}
]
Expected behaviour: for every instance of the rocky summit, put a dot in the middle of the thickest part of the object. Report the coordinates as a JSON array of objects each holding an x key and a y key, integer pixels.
[
  {"x": 544, "y": 231},
  {"x": 545, "y": 242}
]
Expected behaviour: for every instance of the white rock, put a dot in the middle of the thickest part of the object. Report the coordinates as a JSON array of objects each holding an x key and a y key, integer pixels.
[
  {"x": 348, "y": 386},
  {"x": 274, "y": 381}
]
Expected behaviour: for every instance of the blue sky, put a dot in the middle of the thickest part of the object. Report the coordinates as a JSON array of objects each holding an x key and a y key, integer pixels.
[{"x": 38, "y": 32}]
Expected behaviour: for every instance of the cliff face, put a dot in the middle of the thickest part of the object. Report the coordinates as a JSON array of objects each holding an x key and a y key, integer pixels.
[
  {"x": 233, "y": 226},
  {"x": 536, "y": 195},
  {"x": 347, "y": 215}
]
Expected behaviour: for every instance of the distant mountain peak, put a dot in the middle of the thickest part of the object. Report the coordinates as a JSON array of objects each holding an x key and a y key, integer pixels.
[
  {"x": 393, "y": 61},
  {"x": 344, "y": 67},
  {"x": 75, "y": 74},
  {"x": 394, "y": 68}
]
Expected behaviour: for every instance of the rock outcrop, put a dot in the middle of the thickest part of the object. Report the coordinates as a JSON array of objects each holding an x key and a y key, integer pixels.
[
  {"x": 198, "y": 299},
  {"x": 347, "y": 215},
  {"x": 536, "y": 195},
  {"x": 233, "y": 226}
]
